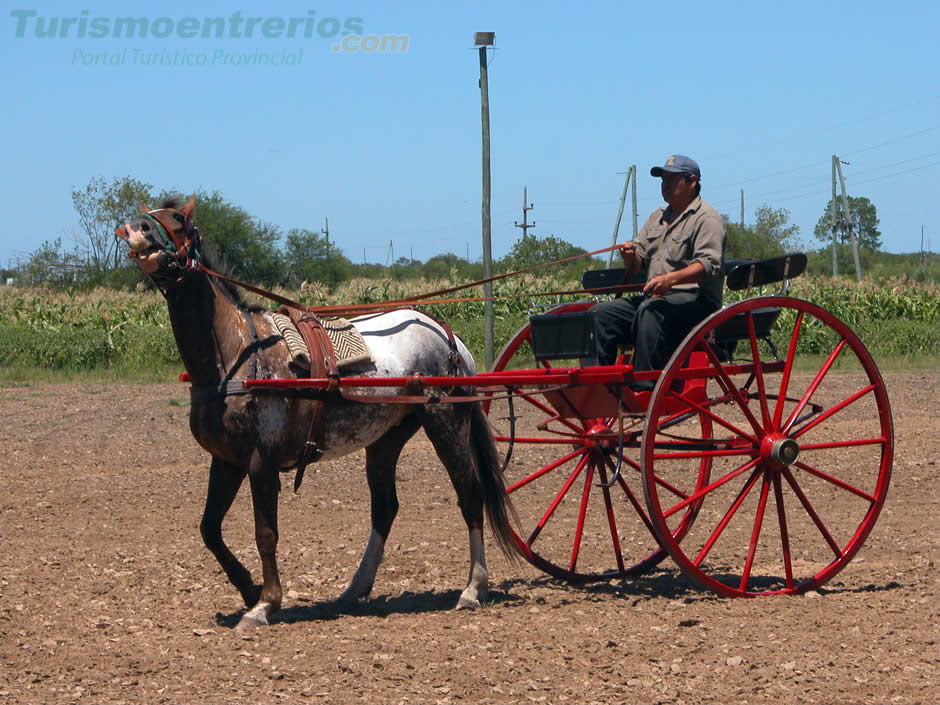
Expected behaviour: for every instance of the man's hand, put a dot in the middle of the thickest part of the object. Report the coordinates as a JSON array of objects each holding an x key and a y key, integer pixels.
[
  {"x": 627, "y": 251},
  {"x": 659, "y": 285},
  {"x": 663, "y": 283}
]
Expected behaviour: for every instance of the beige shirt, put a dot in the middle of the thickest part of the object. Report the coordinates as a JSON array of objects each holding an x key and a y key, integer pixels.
[{"x": 697, "y": 235}]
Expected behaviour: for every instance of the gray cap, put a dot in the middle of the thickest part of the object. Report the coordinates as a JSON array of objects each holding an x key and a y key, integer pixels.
[{"x": 677, "y": 164}]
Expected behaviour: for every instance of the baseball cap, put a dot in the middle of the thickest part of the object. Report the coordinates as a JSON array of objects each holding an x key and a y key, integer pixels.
[{"x": 677, "y": 164}]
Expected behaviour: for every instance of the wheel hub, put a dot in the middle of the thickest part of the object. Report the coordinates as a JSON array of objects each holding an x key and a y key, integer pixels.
[{"x": 782, "y": 451}]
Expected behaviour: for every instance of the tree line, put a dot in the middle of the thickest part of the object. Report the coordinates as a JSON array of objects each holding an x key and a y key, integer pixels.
[{"x": 260, "y": 252}]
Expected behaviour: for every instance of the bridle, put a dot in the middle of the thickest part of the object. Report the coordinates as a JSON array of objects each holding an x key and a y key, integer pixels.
[{"x": 177, "y": 239}]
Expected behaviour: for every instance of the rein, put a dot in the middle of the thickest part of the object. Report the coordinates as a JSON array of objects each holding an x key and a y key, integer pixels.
[
  {"x": 421, "y": 299},
  {"x": 186, "y": 257}
]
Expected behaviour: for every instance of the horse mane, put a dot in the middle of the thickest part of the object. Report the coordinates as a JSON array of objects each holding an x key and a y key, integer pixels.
[{"x": 212, "y": 260}]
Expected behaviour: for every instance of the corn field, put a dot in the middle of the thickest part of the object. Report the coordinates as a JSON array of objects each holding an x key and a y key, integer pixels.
[{"x": 129, "y": 330}]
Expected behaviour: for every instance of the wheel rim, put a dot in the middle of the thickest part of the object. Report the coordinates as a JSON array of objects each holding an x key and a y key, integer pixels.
[
  {"x": 801, "y": 459},
  {"x": 572, "y": 527}
]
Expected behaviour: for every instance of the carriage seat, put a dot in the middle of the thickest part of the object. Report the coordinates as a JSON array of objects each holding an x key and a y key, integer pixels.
[
  {"x": 741, "y": 274},
  {"x": 570, "y": 335}
]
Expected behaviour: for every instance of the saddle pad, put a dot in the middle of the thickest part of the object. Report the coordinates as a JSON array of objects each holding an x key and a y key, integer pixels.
[{"x": 349, "y": 347}]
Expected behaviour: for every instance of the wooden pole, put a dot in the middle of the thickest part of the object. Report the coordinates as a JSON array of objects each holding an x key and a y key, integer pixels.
[
  {"x": 623, "y": 198},
  {"x": 485, "y": 213},
  {"x": 848, "y": 222},
  {"x": 835, "y": 210},
  {"x": 633, "y": 168}
]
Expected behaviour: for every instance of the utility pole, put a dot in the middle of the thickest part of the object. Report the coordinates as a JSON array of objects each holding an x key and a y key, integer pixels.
[
  {"x": 483, "y": 40},
  {"x": 326, "y": 231},
  {"x": 631, "y": 174},
  {"x": 834, "y": 209},
  {"x": 742, "y": 208},
  {"x": 848, "y": 221},
  {"x": 525, "y": 224}
]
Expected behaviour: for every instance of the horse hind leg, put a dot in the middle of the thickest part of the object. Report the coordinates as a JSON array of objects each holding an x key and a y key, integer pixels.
[
  {"x": 448, "y": 429},
  {"x": 381, "y": 461},
  {"x": 224, "y": 482}
]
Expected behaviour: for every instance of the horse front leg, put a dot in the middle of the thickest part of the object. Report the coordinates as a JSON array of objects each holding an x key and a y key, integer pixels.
[
  {"x": 264, "y": 490},
  {"x": 224, "y": 482}
]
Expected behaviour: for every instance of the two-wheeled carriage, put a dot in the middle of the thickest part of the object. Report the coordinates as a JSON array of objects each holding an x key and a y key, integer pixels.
[{"x": 759, "y": 462}]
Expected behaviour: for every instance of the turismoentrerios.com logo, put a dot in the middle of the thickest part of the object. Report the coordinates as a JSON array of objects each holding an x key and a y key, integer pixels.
[{"x": 349, "y": 31}]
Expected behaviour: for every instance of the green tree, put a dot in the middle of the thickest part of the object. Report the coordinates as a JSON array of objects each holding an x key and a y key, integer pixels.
[
  {"x": 101, "y": 206},
  {"x": 48, "y": 264},
  {"x": 308, "y": 256},
  {"x": 772, "y": 234},
  {"x": 445, "y": 266},
  {"x": 866, "y": 225},
  {"x": 530, "y": 251},
  {"x": 774, "y": 224}
]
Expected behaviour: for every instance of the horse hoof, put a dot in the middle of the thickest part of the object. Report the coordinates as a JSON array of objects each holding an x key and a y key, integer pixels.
[
  {"x": 467, "y": 603},
  {"x": 255, "y": 617}
]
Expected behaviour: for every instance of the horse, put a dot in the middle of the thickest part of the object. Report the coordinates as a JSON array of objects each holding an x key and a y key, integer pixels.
[{"x": 258, "y": 435}]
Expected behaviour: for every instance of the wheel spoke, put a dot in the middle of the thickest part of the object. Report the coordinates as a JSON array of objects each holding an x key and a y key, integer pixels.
[
  {"x": 829, "y": 412},
  {"x": 755, "y": 534},
  {"x": 787, "y": 369},
  {"x": 836, "y": 481},
  {"x": 817, "y": 520},
  {"x": 611, "y": 519},
  {"x": 555, "y": 502},
  {"x": 548, "y": 411},
  {"x": 695, "y": 496},
  {"x": 717, "y": 419},
  {"x": 814, "y": 385},
  {"x": 632, "y": 499},
  {"x": 732, "y": 388},
  {"x": 579, "y": 531},
  {"x": 732, "y": 510},
  {"x": 703, "y": 454},
  {"x": 548, "y": 468},
  {"x": 784, "y": 535},
  {"x": 758, "y": 372}
]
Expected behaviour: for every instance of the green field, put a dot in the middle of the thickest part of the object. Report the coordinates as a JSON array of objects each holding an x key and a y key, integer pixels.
[{"x": 126, "y": 334}]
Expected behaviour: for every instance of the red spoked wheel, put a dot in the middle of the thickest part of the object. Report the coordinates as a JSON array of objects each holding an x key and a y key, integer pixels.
[
  {"x": 573, "y": 525},
  {"x": 801, "y": 454}
]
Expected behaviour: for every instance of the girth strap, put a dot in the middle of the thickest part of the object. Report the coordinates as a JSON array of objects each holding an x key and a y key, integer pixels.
[{"x": 322, "y": 364}]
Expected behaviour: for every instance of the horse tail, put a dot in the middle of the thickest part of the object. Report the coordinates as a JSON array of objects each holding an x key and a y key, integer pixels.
[{"x": 499, "y": 510}]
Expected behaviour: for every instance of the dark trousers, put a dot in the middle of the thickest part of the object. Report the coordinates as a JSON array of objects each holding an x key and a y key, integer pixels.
[{"x": 653, "y": 325}]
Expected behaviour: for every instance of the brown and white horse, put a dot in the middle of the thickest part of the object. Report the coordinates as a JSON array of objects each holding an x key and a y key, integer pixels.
[{"x": 259, "y": 435}]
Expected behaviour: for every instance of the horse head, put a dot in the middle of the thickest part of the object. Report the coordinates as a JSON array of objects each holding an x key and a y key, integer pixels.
[{"x": 164, "y": 243}]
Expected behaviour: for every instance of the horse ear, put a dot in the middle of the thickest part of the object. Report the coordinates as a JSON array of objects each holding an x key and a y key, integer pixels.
[
  {"x": 144, "y": 208},
  {"x": 188, "y": 207}
]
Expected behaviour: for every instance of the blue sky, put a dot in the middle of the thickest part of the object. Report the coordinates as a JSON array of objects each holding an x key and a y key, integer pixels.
[{"x": 387, "y": 145}]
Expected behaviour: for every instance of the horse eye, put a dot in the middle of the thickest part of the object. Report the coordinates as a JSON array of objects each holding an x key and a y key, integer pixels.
[
  {"x": 178, "y": 217},
  {"x": 145, "y": 227}
]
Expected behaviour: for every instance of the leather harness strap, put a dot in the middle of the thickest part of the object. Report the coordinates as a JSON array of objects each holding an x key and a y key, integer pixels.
[{"x": 322, "y": 364}]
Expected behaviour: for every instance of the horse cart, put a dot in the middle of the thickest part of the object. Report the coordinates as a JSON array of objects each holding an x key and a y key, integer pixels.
[
  {"x": 759, "y": 462},
  {"x": 757, "y": 469}
]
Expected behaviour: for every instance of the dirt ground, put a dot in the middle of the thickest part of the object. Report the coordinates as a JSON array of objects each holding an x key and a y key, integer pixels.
[{"x": 107, "y": 594}]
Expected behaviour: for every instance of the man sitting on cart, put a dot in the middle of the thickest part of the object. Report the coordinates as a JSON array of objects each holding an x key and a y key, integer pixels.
[{"x": 681, "y": 246}]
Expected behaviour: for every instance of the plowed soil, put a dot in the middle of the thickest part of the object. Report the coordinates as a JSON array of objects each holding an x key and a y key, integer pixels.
[{"x": 108, "y": 595}]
